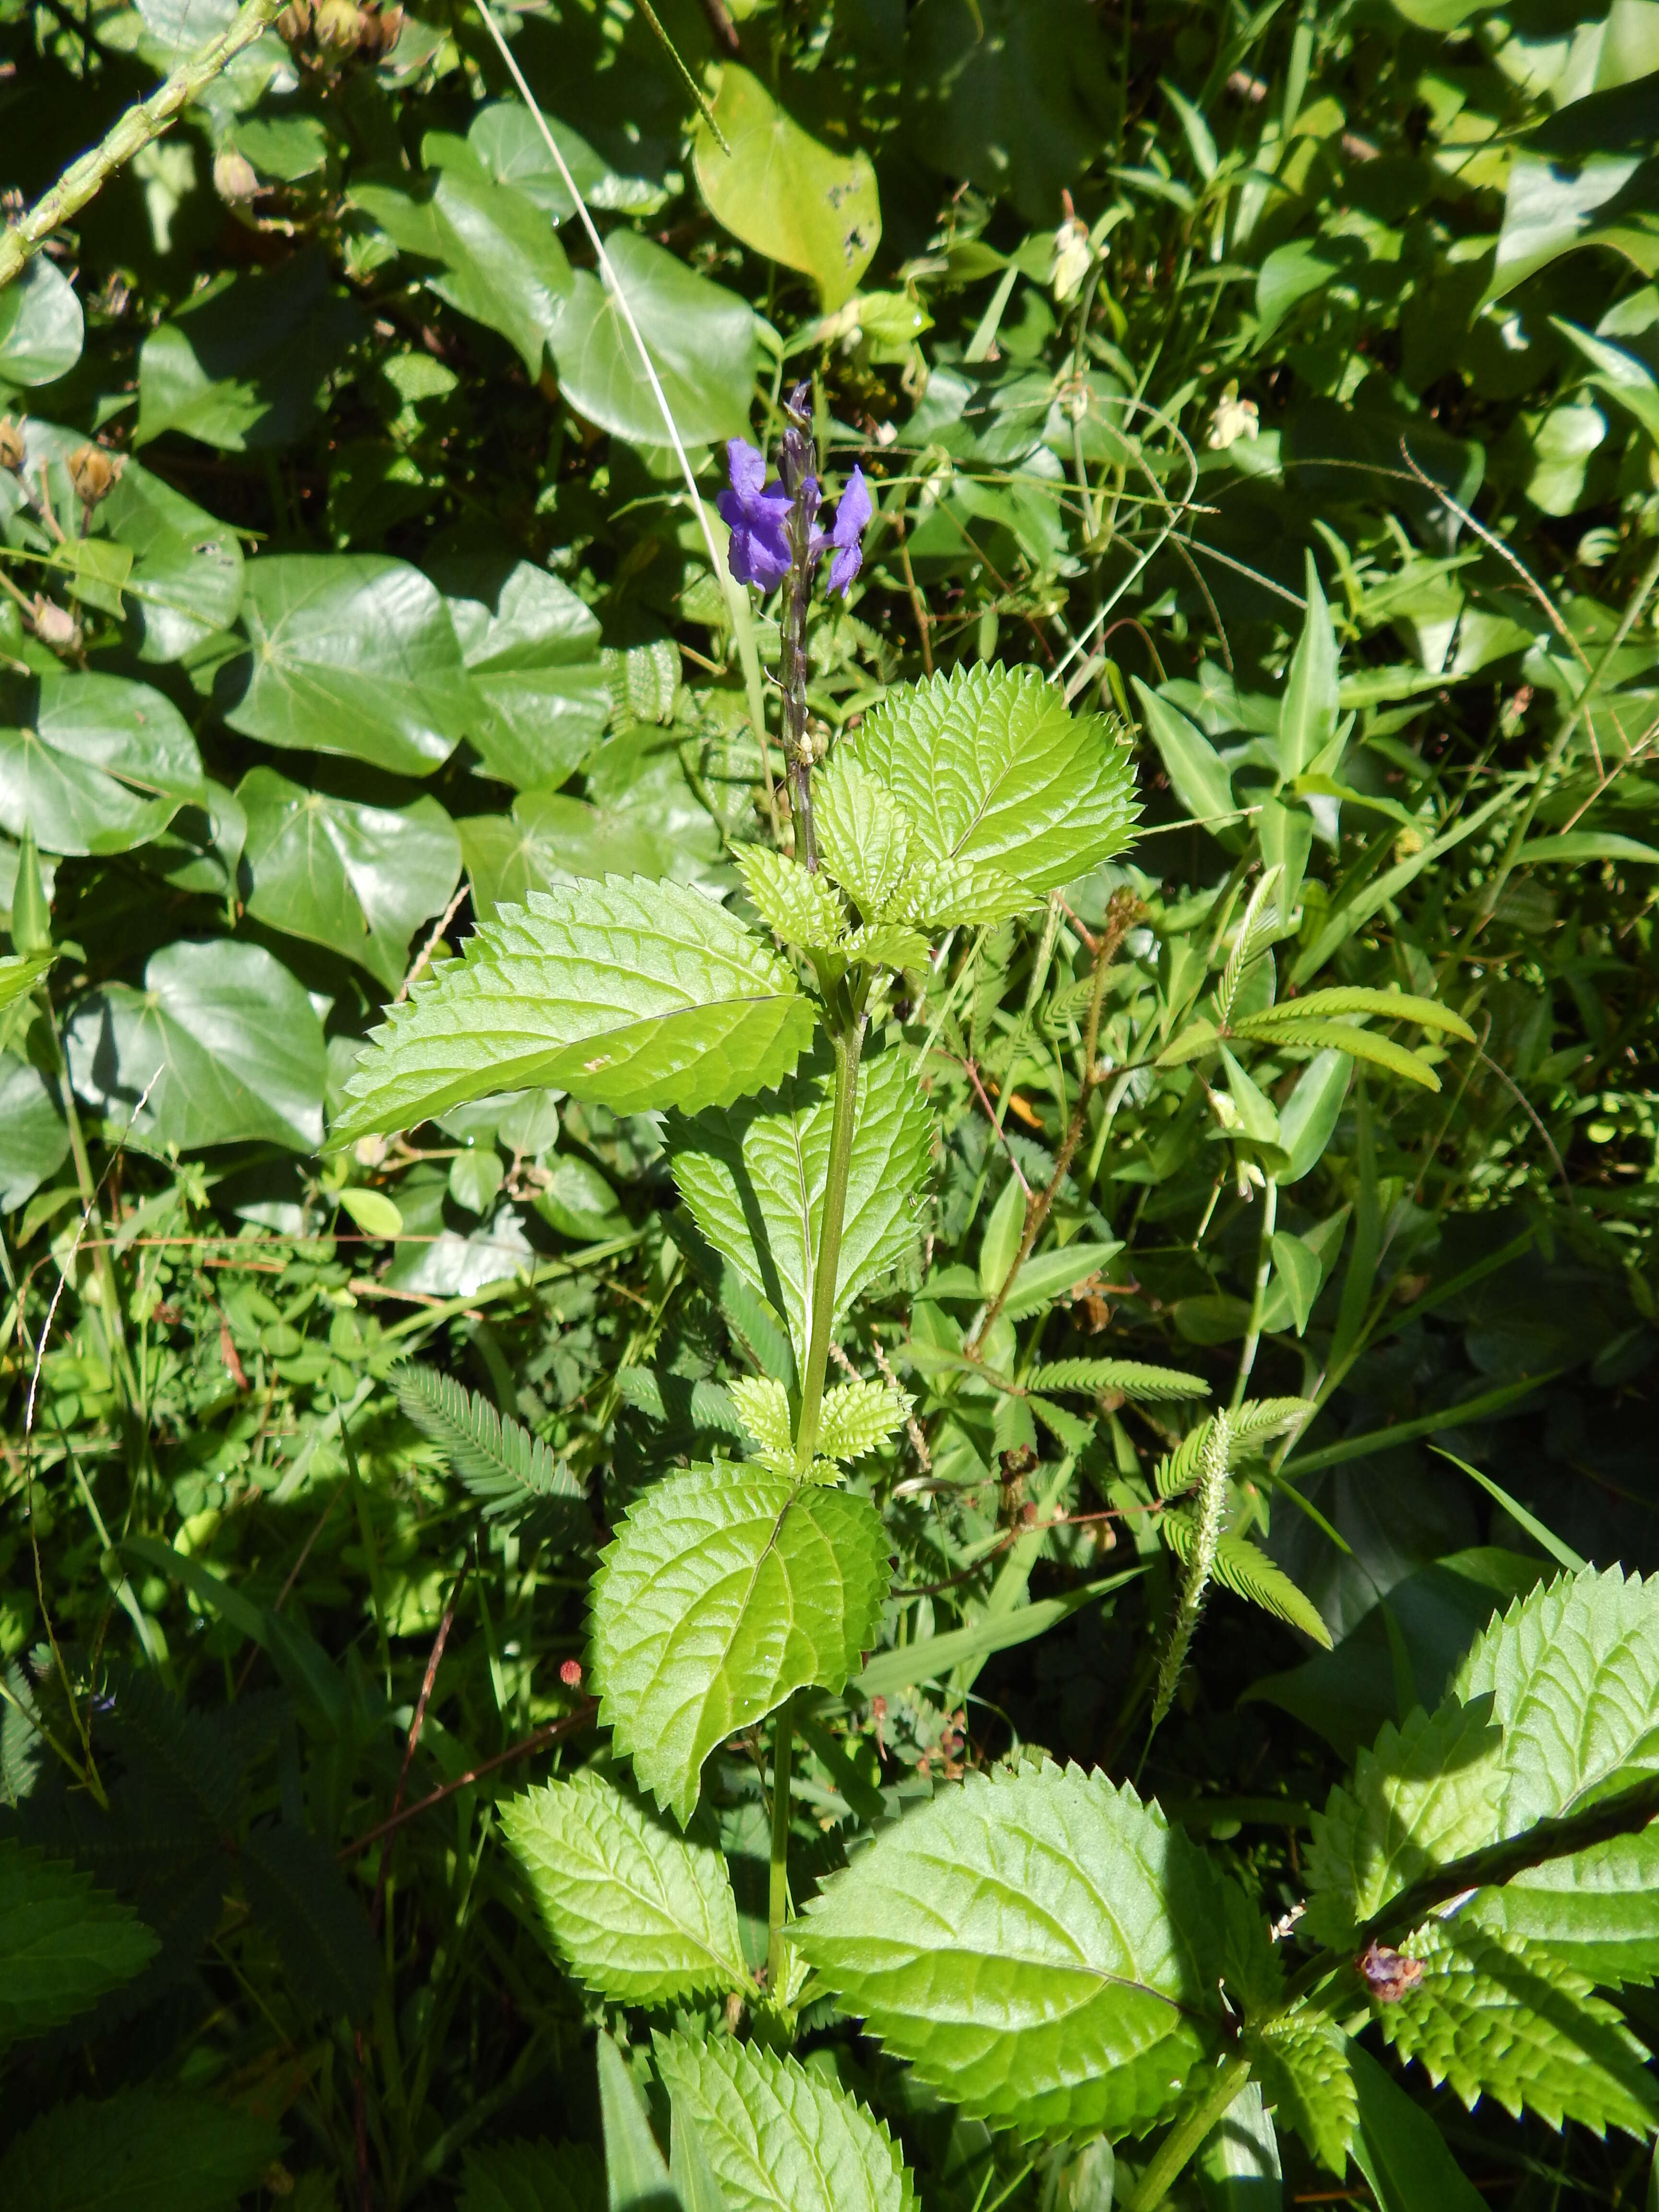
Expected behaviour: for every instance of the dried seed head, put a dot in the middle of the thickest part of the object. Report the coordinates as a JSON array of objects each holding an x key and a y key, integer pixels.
[
  {"x": 93, "y": 473},
  {"x": 13, "y": 452},
  {"x": 339, "y": 24},
  {"x": 54, "y": 625}
]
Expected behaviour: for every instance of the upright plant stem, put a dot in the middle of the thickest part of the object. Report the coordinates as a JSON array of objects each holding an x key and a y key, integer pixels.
[
  {"x": 1185, "y": 2140},
  {"x": 795, "y": 471},
  {"x": 777, "y": 1895},
  {"x": 1264, "y": 1267},
  {"x": 848, "y": 1048}
]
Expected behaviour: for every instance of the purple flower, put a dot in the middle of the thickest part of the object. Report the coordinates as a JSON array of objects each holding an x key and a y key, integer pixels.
[
  {"x": 757, "y": 513},
  {"x": 845, "y": 533}
]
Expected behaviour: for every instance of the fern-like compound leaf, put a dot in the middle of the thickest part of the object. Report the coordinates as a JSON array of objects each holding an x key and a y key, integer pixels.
[
  {"x": 726, "y": 1589},
  {"x": 62, "y": 1943},
  {"x": 777, "y": 2138},
  {"x": 1341, "y": 1037},
  {"x": 1042, "y": 1947},
  {"x": 507, "y": 1469},
  {"x": 639, "y": 1914},
  {"x": 1335, "y": 1005},
  {"x": 798, "y": 907},
  {"x": 1301, "y": 2064},
  {"x": 627, "y": 993},
  {"x": 1514, "y": 2023},
  {"x": 1132, "y": 1377},
  {"x": 754, "y": 1176},
  {"x": 1266, "y": 1417},
  {"x": 990, "y": 766},
  {"x": 1426, "y": 1793},
  {"x": 857, "y": 1417},
  {"x": 1245, "y": 1570}
]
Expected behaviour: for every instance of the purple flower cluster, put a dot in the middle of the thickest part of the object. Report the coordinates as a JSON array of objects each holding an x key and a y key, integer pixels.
[{"x": 758, "y": 513}]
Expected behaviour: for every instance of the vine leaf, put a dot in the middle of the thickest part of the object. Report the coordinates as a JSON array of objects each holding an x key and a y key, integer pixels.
[
  {"x": 726, "y": 1589},
  {"x": 777, "y": 2138},
  {"x": 754, "y": 1174},
  {"x": 627, "y": 993},
  {"x": 507, "y": 1469},
  {"x": 1040, "y": 1946},
  {"x": 62, "y": 1943},
  {"x": 990, "y": 766},
  {"x": 639, "y": 1914},
  {"x": 1425, "y": 1794},
  {"x": 1515, "y": 2023}
]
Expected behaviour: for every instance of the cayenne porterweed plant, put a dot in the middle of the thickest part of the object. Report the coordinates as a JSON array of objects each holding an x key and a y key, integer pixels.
[{"x": 1038, "y": 1944}]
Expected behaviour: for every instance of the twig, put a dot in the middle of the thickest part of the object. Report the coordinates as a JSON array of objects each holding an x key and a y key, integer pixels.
[
  {"x": 83, "y": 180},
  {"x": 990, "y": 1113},
  {"x": 432, "y": 943},
  {"x": 539, "y": 1740}
]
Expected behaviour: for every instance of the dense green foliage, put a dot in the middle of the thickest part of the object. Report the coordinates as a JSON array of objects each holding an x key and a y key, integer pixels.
[{"x": 682, "y": 1530}]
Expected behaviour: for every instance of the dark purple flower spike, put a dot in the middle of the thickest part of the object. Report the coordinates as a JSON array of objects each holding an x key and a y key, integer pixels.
[{"x": 758, "y": 516}]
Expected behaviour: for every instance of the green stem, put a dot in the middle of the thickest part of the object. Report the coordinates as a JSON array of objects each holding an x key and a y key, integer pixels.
[
  {"x": 83, "y": 180},
  {"x": 1183, "y": 2141},
  {"x": 1264, "y": 1267},
  {"x": 848, "y": 1048},
  {"x": 777, "y": 1897}
]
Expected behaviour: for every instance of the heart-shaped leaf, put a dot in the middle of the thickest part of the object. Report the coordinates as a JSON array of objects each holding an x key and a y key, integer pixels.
[{"x": 93, "y": 764}]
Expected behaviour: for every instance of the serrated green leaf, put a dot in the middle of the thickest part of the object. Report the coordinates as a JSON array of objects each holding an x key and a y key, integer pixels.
[
  {"x": 753, "y": 1176},
  {"x": 1389, "y": 1005},
  {"x": 884, "y": 945},
  {"x": 1572, "y": 1671},
  {"x": 1301, "y": 2064},
  {"x": 797, "y": 907},
  {"x": 138, "y": 2151},
  {"x": 1040, "y": 1946},
  {"x": 725, "y": 1588},
  {"x": 777, "y": 2138},
  {"x": 945, "y": 894},
  {"x": 1423, "y": 1794},
  {"x": 62, "y": 1943},
  {"x": 1358, "y": 1044},
  {"x": 1513, "y": 2024},
  {"x": 763, "y": 1406},
  {"x": 509, "y": 1470},
  {"x": 864, "y": 836},
  {"x": 858, "y": 1416},
  {"x": 1597, "y": 1912},
  {"x": 1131, "y": 1376},
  {"x": 990, "y": 766},
  {"x": 628, "y": 994},
  {"x": 639, "y": 1914}
]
